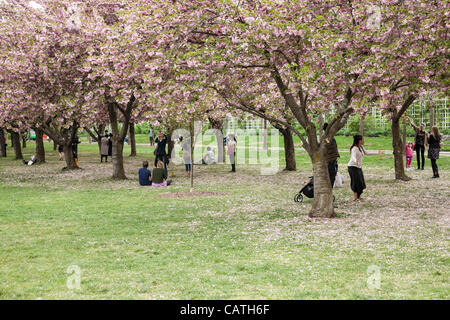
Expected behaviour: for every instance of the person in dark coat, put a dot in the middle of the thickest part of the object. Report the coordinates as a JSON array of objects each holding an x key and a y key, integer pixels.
[
  {"x": 433, "y": 141},
  {"x": 332, "y": 156},
  {"x": 104, "y": 148},
  {"x": 160, "y": 150},
  {"x": 419, "y": 143}
]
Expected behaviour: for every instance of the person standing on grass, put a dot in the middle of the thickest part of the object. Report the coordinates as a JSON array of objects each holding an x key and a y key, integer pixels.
[
  {"x": 231, "y": 151},
  {"x": 145, "y": 176},
  {"x": 357, "y": 152},
  {"x": 150, "y": 135},
  {"x": 332, "y": 156},
  {"x": 433, "y": 142},
  {"x": 409, "y": 155},
  {"x": 419, "y": 143},
  {"x": 109, "y": 144},
  {"x": 104, "y": 148},
  {"x": 186, "y": 147},
  {"x": 160, "y": 150},
  {"x": 159, "y": 176}
]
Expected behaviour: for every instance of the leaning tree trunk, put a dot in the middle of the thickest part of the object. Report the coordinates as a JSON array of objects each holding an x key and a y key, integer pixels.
[
  {"x": 2, "y": 144},
  {"x": 68, "y": 156},
  {"x": 289, "y": 150},
  {"x": 322, "y": 206},
  {"x": 40, "y": 150},
  {"x": 397, "y": 145},
  {"x": 132, "y": 140},
  {"x": 15, "y": 140}
]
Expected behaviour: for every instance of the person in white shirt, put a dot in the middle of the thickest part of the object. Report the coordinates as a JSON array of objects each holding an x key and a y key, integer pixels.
[
  {"x": 209, "y": 157},
  {"x": 355, "y": 167}
]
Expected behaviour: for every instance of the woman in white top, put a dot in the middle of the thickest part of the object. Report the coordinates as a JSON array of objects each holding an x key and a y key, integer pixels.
[{"x": 354, "y": 167}]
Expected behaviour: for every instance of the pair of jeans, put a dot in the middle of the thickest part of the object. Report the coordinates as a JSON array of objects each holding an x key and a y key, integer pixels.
[{"x": 420, "y": 152}]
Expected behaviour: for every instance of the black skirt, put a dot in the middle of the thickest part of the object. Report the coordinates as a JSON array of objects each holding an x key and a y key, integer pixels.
[
  {"x": 433, "y": 153},
  {"x": 357, "y": 179}
]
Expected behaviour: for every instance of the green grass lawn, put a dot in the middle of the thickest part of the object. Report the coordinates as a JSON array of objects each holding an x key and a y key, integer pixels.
[{"x": 250, "y": 241}]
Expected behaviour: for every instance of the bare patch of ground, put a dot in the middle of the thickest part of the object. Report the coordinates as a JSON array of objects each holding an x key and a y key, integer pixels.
[{"x": 188, "y": 194}]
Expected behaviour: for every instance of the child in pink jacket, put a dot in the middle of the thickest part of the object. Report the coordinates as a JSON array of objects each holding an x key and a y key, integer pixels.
[{"x": 409, "y": 155}]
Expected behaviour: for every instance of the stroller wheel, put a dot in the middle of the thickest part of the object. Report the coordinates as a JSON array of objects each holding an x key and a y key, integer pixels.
[{"x": 298, "y": 198}]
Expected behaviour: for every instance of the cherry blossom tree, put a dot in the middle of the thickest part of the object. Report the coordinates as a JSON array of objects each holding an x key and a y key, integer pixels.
[{"x": 411, "y": 57}]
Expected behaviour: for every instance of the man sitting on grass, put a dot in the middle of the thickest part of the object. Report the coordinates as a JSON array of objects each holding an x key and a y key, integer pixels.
[
  {"x": 208, "y": 158},
  {"x": 145, "y": 176}
]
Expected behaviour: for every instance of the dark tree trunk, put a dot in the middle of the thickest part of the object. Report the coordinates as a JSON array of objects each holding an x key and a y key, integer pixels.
[
  {"x": 40, "y": 150},
  {"x": 118, "y": 137},
  {"x": 55, "y": 145},
  {"x": 170, "y": 144},
  {"x": 117, "y": 159},
  {"x": 15, "y": 140},
  {"x": 132, "y": 140},
  {"x": 2, "y": 144},
  {"x": 68, "y": 156},
  {"x": 397, "y": 145},
  {"x": 23, "y": 136},
  {"x": 323, "y": 193},
  {"x": 289, "y": 150}
]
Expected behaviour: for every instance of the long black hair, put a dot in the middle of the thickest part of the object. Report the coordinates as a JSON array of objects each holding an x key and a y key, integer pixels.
[{"x": 356, "y": 139}]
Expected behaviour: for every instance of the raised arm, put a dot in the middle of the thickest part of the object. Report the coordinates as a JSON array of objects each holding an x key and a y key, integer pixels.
[{"x": 416, "y": 128}]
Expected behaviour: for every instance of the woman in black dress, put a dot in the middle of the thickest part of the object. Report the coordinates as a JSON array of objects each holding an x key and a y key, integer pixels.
[{"x": 433, "y": 141}]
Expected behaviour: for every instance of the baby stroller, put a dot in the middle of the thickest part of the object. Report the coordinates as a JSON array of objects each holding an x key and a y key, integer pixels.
[{"x": 307, "y": 190}]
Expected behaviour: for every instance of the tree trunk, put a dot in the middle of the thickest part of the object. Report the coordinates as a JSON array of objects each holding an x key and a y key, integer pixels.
[
  {"x": 265, "y": 138},
  {"x": 404, "y": 136},
  {"x": 2, "y": 144},
  {"x": 192, "y": 132},
  {"x": 397, "y": 145},
  {"x": 132, "y": 140},
  {"x": 170, "y": 144},
  {"x": 15, "y": 140},
  {"x": 117, "y": 143},
  {"x": 68, "y": 156},
  {"x": 323, "y": 193},
  {"x": 40, "y": 150},
  {"x": 431, "y": 116},
  {"x": 289, "y": 150},
  {"x": 55, "y": 145},
  {"x": 24, "y": 139},
  {"x": 117, "y": 159}
]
